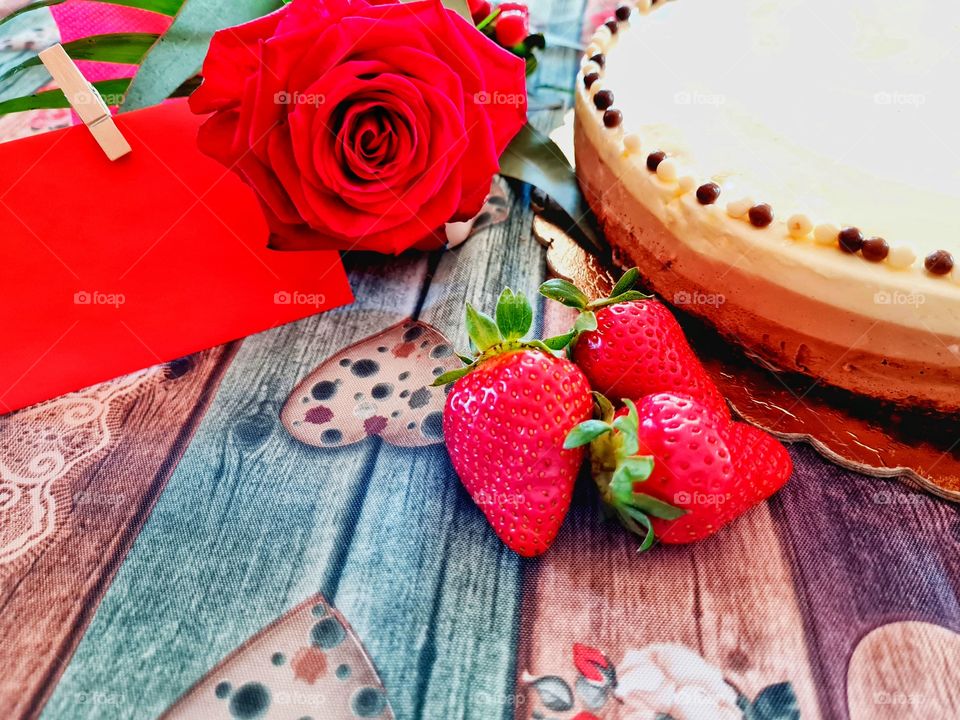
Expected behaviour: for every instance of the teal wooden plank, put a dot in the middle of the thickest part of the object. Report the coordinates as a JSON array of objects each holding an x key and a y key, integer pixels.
[
  {"x": 251, "y": 522},
  {"x": 427, "y": 584}
]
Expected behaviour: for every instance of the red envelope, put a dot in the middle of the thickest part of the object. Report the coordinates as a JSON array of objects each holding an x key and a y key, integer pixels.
[{"x": 109, "y": 267}]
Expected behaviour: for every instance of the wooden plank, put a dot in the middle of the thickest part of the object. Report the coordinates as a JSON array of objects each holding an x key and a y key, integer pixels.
[
  {"x": 251, "y": 522},
  {"x": 866, "y": 552},
  {"x": 47, "y": 599},
  {"x": 442, "y": 633},
  {"x": 733, "y": 605}
]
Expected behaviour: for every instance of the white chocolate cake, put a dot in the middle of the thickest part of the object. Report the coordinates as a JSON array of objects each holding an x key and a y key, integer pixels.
[{"x": 790, "y": 172}]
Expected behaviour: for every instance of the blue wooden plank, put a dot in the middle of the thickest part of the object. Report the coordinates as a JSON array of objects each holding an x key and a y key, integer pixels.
[
  {"x": 250, "y": 522},
  {"x": 427, "y": 583}
]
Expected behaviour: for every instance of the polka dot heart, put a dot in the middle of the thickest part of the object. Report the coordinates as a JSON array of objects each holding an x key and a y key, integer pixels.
[
  {"x": 307, "y": 665},
  {"x": 378, "y": 386}
]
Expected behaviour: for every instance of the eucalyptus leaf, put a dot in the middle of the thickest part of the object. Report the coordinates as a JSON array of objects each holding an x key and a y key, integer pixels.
[
  {"x": 533, "y": 158},
  {"x": 125, "y": 48},
  {"x": 179, "y": 54}
]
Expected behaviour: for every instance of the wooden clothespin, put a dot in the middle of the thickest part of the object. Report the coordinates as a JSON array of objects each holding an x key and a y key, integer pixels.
[{"x": 85, "y": 100}]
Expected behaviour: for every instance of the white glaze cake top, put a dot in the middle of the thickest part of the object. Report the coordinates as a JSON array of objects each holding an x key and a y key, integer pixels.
[{"x": 846, "y": 111}]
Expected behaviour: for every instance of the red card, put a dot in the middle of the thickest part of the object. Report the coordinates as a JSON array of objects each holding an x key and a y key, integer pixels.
[{"x": 109, "y": 267}]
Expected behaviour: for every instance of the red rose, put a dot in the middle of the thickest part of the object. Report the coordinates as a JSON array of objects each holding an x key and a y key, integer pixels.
[{"x": 360, "y": 126}]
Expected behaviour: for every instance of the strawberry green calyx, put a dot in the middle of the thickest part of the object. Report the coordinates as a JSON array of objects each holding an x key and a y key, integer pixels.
[
  {"x": 490, "y": 336},
  {"x": 568, "y": 294},
  {"x": 617, "y": 466}
]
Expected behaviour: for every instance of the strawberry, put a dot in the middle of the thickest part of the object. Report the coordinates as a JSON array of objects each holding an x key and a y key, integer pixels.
[
  {"x": 630, "y": 345},
  {"x": 674, "y": 469},
  {"x": 505, "y": 422},
  {"x": 512, "y": 24}
]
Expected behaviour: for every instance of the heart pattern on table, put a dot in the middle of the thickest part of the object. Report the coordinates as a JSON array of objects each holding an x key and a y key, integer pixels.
[
  {"x": 307, "y": 665},
  {"x": 378, "y": 386}
]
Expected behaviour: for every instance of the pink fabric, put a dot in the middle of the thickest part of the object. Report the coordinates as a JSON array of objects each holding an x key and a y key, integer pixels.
[{"x": 79, "y": 18}]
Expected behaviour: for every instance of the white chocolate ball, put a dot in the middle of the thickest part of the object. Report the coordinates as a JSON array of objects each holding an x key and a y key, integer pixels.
[
  {"x": 826, "y": 234},
  {"x": 799, "y": 226}
]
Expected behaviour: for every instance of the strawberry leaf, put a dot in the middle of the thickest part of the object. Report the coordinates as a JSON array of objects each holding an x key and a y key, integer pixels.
[
  {"x": 629, "y": 427},
  {"x": 453, "y": 375},
  {"x": 626, "y": 282},
  {"x": 603, "y": 406},
  {"x": 628, "y": 296},
  {"x": 658, "y": 508},
  {"x": 585, "y": 433},
  {"x": 465, "y": 359},
  {"x": 514, "y": 315},
  {"x": 483, "y": 331},
  {"x": 637, "y": 468},
  {"x": 564, "y": 292},
  {"x": 559, "y": 342},
  {"x": 639, "y": 524},
  {"x": 586, "y": 322}
]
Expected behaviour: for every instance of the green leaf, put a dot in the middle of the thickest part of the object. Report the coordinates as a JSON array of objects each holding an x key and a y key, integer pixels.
[
  {"x": 626, "y": 282},
  {"x": 585, "y": 433},
  {"x": 564, "y": 292},
  {"x": 465, "y": 359},
  {"x": 628, "y": 296},
  {"x": 488, "y": 19},
  {"x": 28, "y": 8},
  {"x": 603, "y": 406},
  {"x": 452, "y": 375},
  {"x": 774, "y": 702},
  {"x": 658, "y": 508},
  {"x": 639, "y": 524},
  {"x": 180, "y": 52},
  {"x": 164, "y": 7},
  {"x": 559, "y": 342},
  {"x": 514, "y": 314},
  {"x": 126, "y": 48},
  {"x": 112, "y": 91},
  {"x": 585, "y": 322},
  {"x": 629, "y": 427},
  {"x": 535, "y": 40},
  {"x": 483, "y": 331},
  {"x": 534, "y": 158}
]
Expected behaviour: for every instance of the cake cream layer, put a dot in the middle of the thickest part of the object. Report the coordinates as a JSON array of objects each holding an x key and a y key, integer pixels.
[
  {"x": 785, "y": 324},
  {"x": 846, "y": 111}
]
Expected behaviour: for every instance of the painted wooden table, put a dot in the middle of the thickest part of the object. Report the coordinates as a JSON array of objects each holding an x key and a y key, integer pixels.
[{"x": 176, "y": 529}]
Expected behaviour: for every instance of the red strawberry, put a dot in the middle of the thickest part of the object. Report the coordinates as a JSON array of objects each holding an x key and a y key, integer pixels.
[
  {"x": 512, "y": 24},
  {"x": 630, "y": 345},
  {"x": 505, "y": 422},
  {"x": 675, "y": 469}
]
